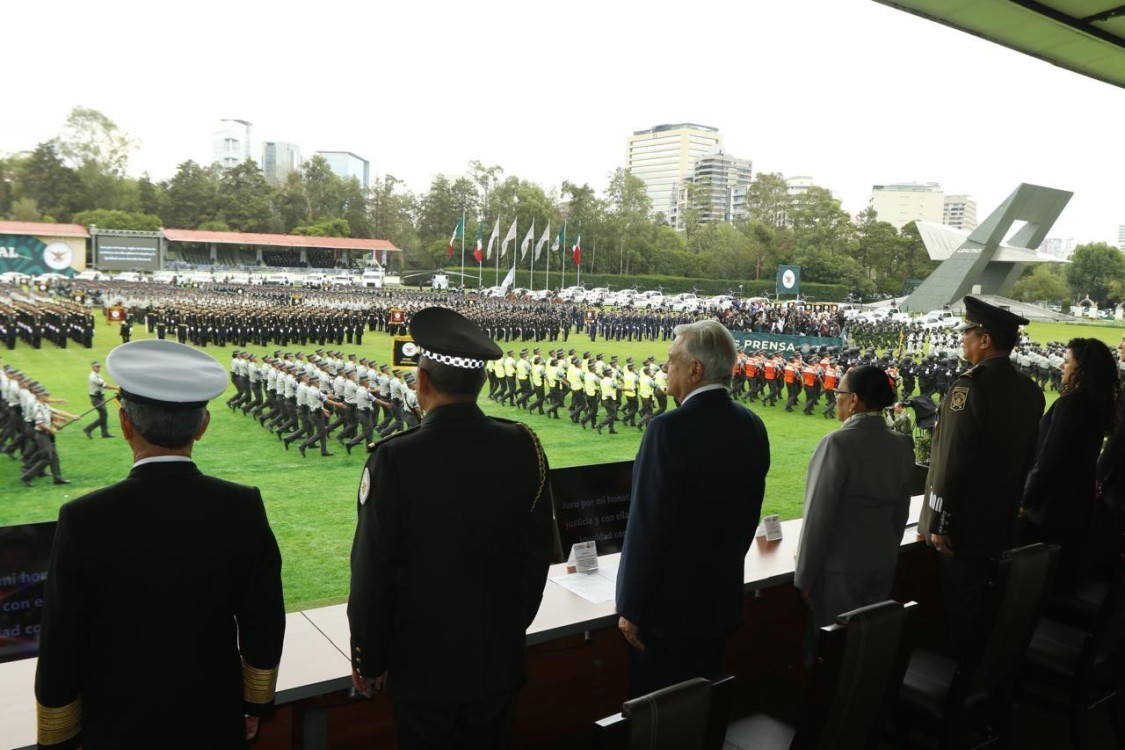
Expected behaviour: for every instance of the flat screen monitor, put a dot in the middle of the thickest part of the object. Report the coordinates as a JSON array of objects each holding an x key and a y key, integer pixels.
[
  {"x": 592, "y": 504},
  {"x": 24, "y": 554}
]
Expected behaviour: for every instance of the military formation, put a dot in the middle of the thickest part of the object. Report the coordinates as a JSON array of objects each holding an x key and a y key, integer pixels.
[
  {"x": 29, "y": 421},
  {"x": 35, "y": 321},
  {"x": 595, "y": 393},
  {"x": 303, "y": 399}
]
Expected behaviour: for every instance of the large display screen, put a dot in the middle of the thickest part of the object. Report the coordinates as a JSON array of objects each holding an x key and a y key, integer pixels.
[
  {"x": 124, "y": 253},
  {"x": 592, "y": 504},
  {"x": 24, "y": 554}
]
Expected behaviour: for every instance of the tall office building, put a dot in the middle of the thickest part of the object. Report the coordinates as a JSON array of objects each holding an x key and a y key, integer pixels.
[
  {"x": 902, "y": 203},
  {"x": 960, "y": 212},
  {"x": 1121, "y": 237},
  {"x": 279, "y": 159},
  {"x": 345, "y": 164},
  {"x": 1058, "y": 247},
  {"x": 663, "y": 155},
  {"x": 719, "y": 193},
  {"x": 232, "y": 143}
]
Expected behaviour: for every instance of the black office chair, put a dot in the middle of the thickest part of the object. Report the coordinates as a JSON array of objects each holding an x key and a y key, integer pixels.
[
  {"x": 950, "y": 699},
  {"x": 691, "y": 715},
  {"x": 859, "y": 666},
  {"x": 1079, "y": 663}
]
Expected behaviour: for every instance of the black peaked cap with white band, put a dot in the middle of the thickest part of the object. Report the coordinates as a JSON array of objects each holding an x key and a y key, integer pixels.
[
  {"x": 157, "y": 371},
  {"x": 450, "y": 338}
]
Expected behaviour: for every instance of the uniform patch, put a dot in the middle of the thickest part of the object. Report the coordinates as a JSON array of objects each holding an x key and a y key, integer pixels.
[
  {"x": 364, "y": 485},
  {"x": 958, "y": 397}
]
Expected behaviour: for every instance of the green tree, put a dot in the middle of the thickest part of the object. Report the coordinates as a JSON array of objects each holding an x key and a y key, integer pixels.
[
  {"x": 245, "y": 199},
  {"x": 150, "y": 196},
  {"x": 1093, "y": 271},
  {"x": 1043, "y": 282},
  {"x": 767, "y": 199},
  {"x": 192, "y": 196},
  {"x": 291, "y": 202},
  {"x": 392, "y": 212},
  {"x": 104, "y": 218},
  {"x": 328, "y": 228},
  {"x": 324, "y": 189},
  {"x": 98, "y": 150},
  {"x": 627, "y": 217},
  {"x": 44, "y": 178}
]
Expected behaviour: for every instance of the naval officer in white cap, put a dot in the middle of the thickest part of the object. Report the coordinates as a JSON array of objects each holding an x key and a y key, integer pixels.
[{"x": 164, "y": 617}]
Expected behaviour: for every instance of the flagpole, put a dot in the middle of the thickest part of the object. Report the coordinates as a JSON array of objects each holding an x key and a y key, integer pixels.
[
  {"x": 547, "y": 283},
  {"x": 463, "y": 247},
  {"x": 531, "y": 281},
  {"x": 496, "y": 276},
  {"x": 562, "y": 259}
]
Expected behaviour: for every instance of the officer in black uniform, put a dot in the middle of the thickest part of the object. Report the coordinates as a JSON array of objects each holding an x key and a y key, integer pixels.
[
  {"x": 983, "y": 447},
  {"x": 448, "y": 566}
]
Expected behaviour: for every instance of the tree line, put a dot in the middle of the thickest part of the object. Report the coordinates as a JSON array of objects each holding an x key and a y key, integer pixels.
[{"x": 80, "y": 176}]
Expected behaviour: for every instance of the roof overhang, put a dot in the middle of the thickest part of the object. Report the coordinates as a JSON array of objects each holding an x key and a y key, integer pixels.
[{"x": 1085, "y": 36}]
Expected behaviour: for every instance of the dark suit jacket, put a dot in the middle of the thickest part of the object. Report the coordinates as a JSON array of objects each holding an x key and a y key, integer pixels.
[
  {"x": 1059, "y": 495},
  {"x": 450, "y": 556},
  {"x": 698, "y": 484},
  {"x": 983, "y": 447},
  {"x": 163, "y": 595}
]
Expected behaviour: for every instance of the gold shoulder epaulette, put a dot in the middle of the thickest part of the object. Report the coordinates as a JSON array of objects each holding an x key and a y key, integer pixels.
[{"x": 372, "y": 447}]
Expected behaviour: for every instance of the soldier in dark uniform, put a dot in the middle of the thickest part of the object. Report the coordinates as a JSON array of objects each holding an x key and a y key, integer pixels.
[
  {"x": 451, "y": 683},
  {"x": 983, "y": 447},
  {"x": 164, "y": 616}
]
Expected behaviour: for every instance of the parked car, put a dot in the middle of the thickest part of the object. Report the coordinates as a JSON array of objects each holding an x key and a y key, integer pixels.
[
  {"x": 240, "y": 277},
  {"x": 14, "y": 277},
  {"x": 720, "y": 303},
  {"x": 596, "y": 296},
  {"x": 573, "y": 294},
  {"x": 340, "y": 280},
  {"x": 686, "y": 302},
  {"x": 314, "y": 280},
  {"x": 281, "y": 279},
  {"x": 373, "y": 277},
  {"x": 650, "y": 300},
  {"x": 939, "y": 319}
]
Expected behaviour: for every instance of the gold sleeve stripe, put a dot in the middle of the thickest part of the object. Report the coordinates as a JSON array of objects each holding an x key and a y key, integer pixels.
[
  {"x": 258, "y": 685},
  {"x": 58, "y": 725}
]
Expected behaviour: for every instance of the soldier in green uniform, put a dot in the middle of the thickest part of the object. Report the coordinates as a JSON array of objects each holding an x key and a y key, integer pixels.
[{"x": 983, "y": 447}]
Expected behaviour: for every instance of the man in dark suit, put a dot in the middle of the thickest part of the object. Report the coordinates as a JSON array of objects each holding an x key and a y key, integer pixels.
[
  {"x": 983, "y": 447},
  {"x": 698, "y": 483},
  {"x": 164, "y": 616},
  {"x": 448, "y": 566}
]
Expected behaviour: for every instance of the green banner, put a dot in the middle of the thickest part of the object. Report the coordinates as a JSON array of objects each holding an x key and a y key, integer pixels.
[
  {"x": 30, "y": 255},
  {"x": 775, "y": 342},
  {"x": 788, "y": 280}
]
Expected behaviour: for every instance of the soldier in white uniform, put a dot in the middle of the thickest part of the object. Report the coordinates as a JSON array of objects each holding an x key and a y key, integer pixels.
[{"x": 97, "y": 388}]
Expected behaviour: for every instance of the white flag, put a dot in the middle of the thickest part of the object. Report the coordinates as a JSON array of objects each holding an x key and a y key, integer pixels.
[
  {"x": 509, "y": 279},
  {"x": 542, "y": 240},
  {"x": 509, "y": 237},
  {"x": 492, "y": 239},
  {"x": 527, "y": 240}
]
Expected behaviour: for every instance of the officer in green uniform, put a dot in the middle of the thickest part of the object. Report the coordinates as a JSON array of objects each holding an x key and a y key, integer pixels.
[{"x": 983, "y": 447}]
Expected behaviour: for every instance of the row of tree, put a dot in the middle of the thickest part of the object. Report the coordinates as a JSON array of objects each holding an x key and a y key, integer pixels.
[{"x": 81, "y": 176}]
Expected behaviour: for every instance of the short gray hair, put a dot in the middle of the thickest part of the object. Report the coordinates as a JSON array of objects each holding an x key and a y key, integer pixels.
[
  {"x": 712, "y": 345},
  {"x": 168, "y": 427}
]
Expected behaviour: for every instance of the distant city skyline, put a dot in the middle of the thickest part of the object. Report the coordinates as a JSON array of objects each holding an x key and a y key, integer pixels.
[{"x": 854, "y": 109}]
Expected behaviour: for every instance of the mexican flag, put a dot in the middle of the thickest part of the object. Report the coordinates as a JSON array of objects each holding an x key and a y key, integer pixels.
[{"x": 458, "y": 233}]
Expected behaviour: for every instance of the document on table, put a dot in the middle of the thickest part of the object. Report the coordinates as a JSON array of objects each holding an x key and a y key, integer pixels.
[{"x": 597, "y": 587}]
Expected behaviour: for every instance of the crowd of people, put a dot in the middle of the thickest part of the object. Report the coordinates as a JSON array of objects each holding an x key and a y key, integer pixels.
[{"x": 996, "y": 457}]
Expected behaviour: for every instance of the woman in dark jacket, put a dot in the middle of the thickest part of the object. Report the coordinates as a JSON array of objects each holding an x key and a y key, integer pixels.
[
  {"x": 1111, "y": 483},
  {"x": 1059, "y": 497}
]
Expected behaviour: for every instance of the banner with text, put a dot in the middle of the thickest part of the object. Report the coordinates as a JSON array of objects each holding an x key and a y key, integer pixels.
[{"x": 776, "y": 342}]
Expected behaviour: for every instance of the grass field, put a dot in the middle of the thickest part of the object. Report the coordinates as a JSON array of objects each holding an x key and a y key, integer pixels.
[{"x": 311, "y": 501}]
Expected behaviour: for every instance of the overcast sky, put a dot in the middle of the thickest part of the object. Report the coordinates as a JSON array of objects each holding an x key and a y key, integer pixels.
[{"x": 849, "y": 92}]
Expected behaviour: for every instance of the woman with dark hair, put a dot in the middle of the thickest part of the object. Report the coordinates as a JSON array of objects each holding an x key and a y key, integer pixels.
[
  {"x": 857, "y": 498},
  {"x": 1058, "y": 499},
  {"x": 1111, "y": 480}
]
